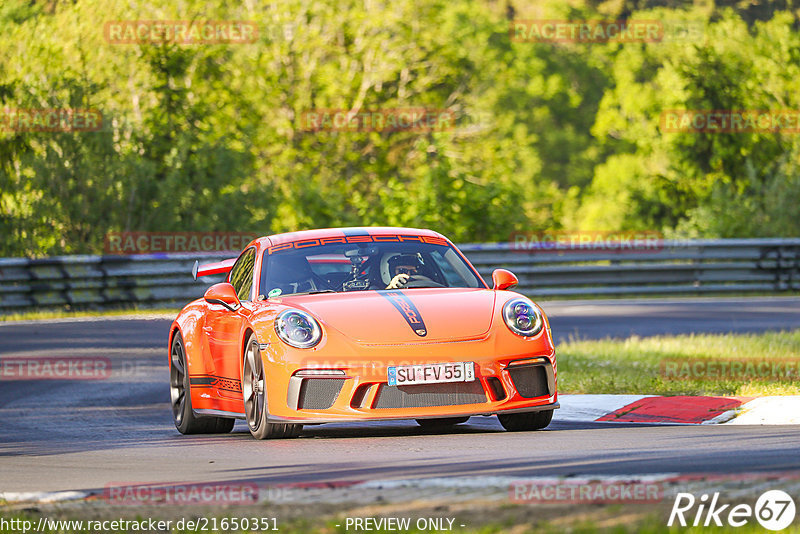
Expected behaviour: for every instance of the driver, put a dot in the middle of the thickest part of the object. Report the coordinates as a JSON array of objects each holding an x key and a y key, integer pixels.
[{"x": 402, "y": 268}]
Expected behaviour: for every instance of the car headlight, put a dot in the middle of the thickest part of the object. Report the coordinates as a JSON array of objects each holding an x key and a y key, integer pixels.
[
  {"x": 523, "y": 317},
  {"x": 298, "y": 329}
]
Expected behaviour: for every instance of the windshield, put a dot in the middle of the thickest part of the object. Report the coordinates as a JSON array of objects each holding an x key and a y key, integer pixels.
[{"x": 340, "y": 267}]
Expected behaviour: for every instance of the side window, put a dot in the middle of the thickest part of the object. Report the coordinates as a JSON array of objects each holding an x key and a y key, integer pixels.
[{"x": 241, "y": 277}]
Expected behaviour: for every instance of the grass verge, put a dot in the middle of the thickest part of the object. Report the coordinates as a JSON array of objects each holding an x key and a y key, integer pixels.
[
  {"x": 479, "y": 517},
  {"x": 697, "y": 364}
]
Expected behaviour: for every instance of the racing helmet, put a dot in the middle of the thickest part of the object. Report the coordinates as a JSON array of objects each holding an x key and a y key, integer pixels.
[{"x": 391, "y": 261}]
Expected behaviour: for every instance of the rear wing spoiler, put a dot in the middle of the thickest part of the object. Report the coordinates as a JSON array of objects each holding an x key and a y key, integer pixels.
[{"x": 223, "y": 266}]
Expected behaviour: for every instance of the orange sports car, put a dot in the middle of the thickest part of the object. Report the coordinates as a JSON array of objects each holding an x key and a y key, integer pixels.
[{"x": 358, "y": 324}]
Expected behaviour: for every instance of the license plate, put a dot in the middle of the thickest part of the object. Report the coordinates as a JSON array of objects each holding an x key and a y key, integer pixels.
[{"x": 431, "y": 373}]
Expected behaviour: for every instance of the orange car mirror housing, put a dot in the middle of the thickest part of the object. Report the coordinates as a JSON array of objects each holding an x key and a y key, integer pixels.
[
  {"x": 503, "y": 279},
  {"x": 223, "y": 294}
]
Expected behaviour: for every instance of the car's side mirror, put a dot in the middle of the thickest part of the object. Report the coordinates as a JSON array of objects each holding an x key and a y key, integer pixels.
[
  {"x": 503, "y": 279},
  {"x": 223, "y": 294}
]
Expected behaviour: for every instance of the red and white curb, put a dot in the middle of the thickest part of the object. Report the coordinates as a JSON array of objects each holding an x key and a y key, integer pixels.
[{"x": 773, "y": 410}]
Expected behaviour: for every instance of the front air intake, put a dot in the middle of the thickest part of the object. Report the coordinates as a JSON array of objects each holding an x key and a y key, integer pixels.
[
  {"x": 429, "y": 395},
  {"x": 319, "y": 393},
  {"x": 531, "y": 380},
  {"x": 497, "y": 388}
]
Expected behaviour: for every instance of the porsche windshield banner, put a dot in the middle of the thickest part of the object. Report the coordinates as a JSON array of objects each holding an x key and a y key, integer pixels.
[{"x": 358, "y": 239}]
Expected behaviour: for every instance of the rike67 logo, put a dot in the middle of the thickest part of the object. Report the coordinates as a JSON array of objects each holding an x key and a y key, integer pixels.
[{"x": 774, "y": 510}]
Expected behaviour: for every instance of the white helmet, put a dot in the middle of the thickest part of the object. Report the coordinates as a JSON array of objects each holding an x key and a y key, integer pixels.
[
  {"x": 386, "y": 276},
  {"x": 392, "y": 260}
]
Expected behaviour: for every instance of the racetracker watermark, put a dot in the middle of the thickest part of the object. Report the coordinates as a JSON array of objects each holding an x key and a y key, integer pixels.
[
  {"x": 311, "y": 367},
  {"x": 587, "y": 241},
  {"x": 377, "y": 120},
  {"x": 730, "y": 121},
  {"x": 208, "y": 493},
  {"x": 586, "y": 31},
  {"x": 50, "y": 120},
  {"x": 585, "y": 491},
  {"x": 83, "y": 368},
  {"x": 730, "y": 369},
  {"x": 156, "y": 32},
  {"x": 606, "y": 31},
  {"x": 125, "y": 243}
]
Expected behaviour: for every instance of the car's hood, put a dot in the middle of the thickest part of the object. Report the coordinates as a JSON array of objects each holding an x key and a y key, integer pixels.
[{"x": 403, "y": 316}]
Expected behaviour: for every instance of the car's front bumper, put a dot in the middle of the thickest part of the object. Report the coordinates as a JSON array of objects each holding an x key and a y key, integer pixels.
[
  {"x": 315, "y": 421},
  {"x": 360, "y": 391}
]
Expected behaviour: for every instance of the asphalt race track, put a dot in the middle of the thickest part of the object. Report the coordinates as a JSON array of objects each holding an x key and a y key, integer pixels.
[{"x": 69, "y": 435}]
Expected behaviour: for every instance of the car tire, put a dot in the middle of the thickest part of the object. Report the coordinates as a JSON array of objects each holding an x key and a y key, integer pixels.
[
  {"x": 254, "y": 393},
  {"x": 516, "y": 422},
  {"x": 181, "y": 399},
  {"x": 441, "y": 422}
]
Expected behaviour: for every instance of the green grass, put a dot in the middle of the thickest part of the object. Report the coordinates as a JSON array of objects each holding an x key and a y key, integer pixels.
[
  {"x": 66, "y": 314},
  {"x": 637, "y": 365}
]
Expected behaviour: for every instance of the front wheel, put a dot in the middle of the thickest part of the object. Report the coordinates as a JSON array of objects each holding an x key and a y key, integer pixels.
[
  {"x": 254, "y": 390},
  {"x": 515, "y": 422},
  {"x": 181, "y": 399}
]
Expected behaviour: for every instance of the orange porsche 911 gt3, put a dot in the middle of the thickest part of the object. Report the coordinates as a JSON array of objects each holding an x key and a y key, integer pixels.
[{"x": 358, "y": 324}]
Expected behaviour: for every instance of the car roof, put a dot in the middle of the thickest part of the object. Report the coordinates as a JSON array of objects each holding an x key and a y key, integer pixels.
[{"x": 286, "y": 237}]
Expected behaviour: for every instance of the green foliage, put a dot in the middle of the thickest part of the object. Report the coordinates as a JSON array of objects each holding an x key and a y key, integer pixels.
[
  {"x": 547, "y": 136},
  {"x": 709, "y": 184}
]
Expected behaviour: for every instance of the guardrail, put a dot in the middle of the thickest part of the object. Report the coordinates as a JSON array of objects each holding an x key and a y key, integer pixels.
[
  {"x": 676, "y": 267},
  {"x": 673, "y": 267},
  {"x": 91, "y": 282}
]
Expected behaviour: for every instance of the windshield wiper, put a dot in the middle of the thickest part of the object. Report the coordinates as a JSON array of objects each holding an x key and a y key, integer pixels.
[{"x": 318, "y": 291}]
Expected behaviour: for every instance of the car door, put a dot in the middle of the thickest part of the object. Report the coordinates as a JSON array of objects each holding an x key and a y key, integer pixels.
[{"x": 223, "y": 328}]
